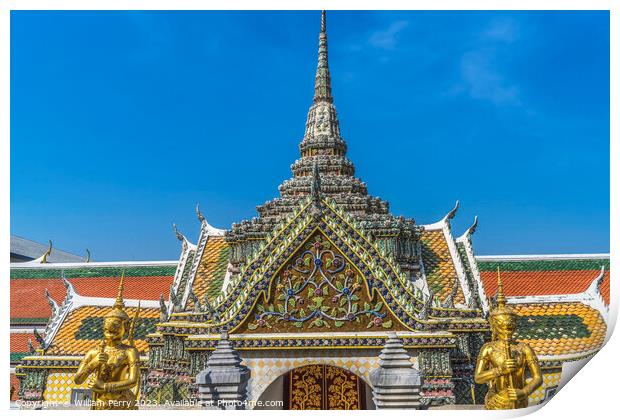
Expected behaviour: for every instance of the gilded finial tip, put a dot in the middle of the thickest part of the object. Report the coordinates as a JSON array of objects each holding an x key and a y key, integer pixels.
[
  {"x": 120, "y": 304},
  {"x": 47, "y": 253},
  {"x": 501, "y": 298}
]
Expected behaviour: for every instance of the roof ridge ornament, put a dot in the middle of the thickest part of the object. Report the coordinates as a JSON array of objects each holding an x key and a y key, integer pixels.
[
  {"x": 163, "y": 308},
  {"x": 52, "y": 302},
  {"x": 87, "y": 255},
  {"x": 70, "y": 288},
  {"x": 449, "y": 300},
  {"x": 178, "y": 234},
  {"x": 601, "y": 278},
  {"x": 473, "y": 227},
  {"x": 199, "y": 214},
  {"x": 470, "y": 231},
  {"x": 452, "y": 212},
  {"x": 427, "y": 307},
  {"x": 43, "y": 258},
  {"x": 39, "y": 338}
]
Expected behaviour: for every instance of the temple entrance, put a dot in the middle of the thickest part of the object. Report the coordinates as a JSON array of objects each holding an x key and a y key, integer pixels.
[{"x": 323, "y": 387}]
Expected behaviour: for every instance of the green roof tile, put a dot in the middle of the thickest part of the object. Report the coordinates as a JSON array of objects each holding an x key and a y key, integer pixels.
[
  {"x": 91, "y": 328},
  {"x": 78, "y": 272},
  {"x": 543, "y": 265},
  {"x": 219, "y": 273},
  {"x": 548, "y": 327}
]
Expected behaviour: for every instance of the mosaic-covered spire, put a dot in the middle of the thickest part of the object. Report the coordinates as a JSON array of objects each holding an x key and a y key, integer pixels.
[
  {"x": 323, "y": 160},
  {"x": 322, "y": 143},
  {"x": 322, "y": 80}
]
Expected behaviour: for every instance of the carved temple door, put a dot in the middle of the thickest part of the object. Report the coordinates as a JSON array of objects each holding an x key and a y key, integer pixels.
[{"x": 323, "y": 387}]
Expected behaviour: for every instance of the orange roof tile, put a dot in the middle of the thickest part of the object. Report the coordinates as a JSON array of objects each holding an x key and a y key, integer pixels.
[
  {"x": 19, "y": 342},
  {"x": 15, "y": 387},
  {"x": 438, "y": 265},
  {"x": 28, "y": 295},
  {"x": 538, "y": 283},
  {"x": 605, "y": 287}
]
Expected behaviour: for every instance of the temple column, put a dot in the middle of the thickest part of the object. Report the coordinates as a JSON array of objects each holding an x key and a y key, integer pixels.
[
  {"x": 223, "y": 383},
  {"x": 395, "y": 383}
]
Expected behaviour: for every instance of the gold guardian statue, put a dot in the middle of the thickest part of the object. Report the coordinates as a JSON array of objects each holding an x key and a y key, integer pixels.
[
  {"x": 116, "y": 365},
  {"x": 502, "y": 362}
]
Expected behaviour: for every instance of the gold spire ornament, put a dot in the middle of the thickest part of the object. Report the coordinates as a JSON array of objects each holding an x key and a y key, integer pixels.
[
  {"x": 115, "y": 365},
  {"x": 47, "y": 253},
  {"x": 502, "y": 362}
]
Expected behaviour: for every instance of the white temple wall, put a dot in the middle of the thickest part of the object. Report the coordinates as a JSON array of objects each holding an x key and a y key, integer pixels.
[{"x": 270, "y": 365}]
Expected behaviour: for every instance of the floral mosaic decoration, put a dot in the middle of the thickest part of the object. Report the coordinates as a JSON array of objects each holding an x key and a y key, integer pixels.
[{"x": 319, "y": 289}]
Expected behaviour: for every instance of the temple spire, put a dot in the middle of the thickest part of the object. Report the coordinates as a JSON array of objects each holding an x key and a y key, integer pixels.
[{"x": 322, "y": 80}]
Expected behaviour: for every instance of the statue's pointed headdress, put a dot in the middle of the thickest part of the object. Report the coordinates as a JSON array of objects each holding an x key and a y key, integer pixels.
[
  {"x": 500, "y": 301},
  {"x": 118, "y": 309}
]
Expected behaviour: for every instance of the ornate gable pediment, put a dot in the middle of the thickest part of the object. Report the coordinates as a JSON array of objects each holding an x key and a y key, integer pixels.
[
  {"x": 259, "y": 279},
  {"x": 319, "y": 289}
]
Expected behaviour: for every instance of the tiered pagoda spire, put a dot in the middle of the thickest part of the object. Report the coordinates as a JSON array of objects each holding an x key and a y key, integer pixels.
[
  {"x": 323, "y": 145},
  {"x": 323, "y": 162}
]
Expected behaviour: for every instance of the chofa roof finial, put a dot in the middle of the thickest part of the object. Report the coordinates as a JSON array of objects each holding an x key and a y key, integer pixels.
[
  {"x": 452, "y": 212},
  {"x": 47, "y": 253},
  {"x": 178, "y": 234},
  {"x": 199, "y": 214},
  {"x": 473, "y": 227}
]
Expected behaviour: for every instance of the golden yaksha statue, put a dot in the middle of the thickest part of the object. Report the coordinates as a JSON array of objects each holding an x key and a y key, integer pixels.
[
  {"x": 502, "y": 362},
  {"x": 116, "y": 365}
]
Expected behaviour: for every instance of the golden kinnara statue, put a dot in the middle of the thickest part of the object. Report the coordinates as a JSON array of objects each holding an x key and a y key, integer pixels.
[
  {"x": 116, "y": 365},
  {"x": 503, "y": 361}
]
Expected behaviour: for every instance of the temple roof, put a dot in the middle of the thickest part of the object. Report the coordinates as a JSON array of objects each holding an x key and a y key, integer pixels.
[
  {"x": 539, "y": 275},
  {"x": 82, "y": 330},
  {"x": 19, "y": 344},
  {"x": 29, "y": 306},
  {"x": 442, "y": 266},
  {"x": 23, "y": 249},
  {"x": 560, "y": 329},
  {"x": 561, "y": 301},
  {"x": 211, "y": 269}
]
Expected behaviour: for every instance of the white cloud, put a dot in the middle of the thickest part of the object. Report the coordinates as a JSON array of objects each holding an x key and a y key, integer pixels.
[
  {"x": 481, "y": 75},
  {"x": 484, "y": 81},
  {"x": 387, "y": 38},
  {"x": 501, "y": 30}
]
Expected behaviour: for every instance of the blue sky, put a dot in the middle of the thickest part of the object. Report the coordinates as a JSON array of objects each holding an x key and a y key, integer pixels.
[{"x": 122, "y": 121}]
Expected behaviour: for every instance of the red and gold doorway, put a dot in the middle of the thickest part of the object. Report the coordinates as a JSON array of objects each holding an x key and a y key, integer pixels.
[{"x": 323, "y": 387}]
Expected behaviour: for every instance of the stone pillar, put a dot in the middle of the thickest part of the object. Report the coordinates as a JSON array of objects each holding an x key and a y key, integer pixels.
[
  {"x": 222, "y": 384},
  {"x": 395, "y": 383}
]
